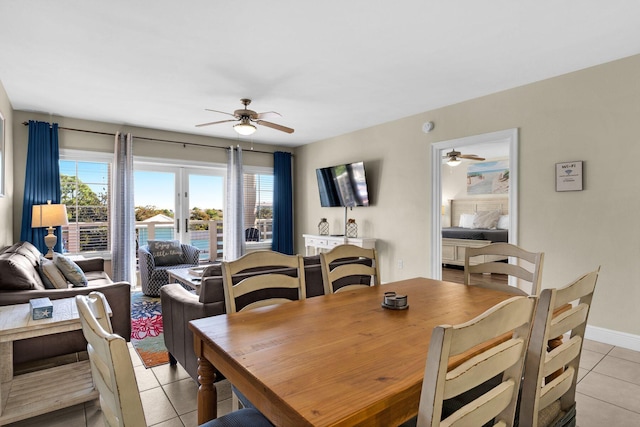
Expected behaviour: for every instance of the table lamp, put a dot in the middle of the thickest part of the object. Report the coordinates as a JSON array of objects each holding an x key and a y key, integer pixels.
[{"x": 49, "y": 216}]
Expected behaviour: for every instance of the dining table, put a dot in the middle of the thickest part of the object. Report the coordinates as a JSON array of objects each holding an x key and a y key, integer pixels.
[{"x": 333, "y": 360}]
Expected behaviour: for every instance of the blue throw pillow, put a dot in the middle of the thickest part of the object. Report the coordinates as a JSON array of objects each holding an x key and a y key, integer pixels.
[
  {"x": 70, "y": 270},
  {"x": 166, "y": 252}
]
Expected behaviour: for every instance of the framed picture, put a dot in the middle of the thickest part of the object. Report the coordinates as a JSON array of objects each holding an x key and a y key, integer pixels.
[
  {"x": 2, "y": 178},
  {"x": 569, "y": 176},
  {"x": 488, "y": 177}
]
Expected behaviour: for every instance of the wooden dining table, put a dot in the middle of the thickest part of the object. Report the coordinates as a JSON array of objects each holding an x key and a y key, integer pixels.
[{"x": 333, "y": 360}]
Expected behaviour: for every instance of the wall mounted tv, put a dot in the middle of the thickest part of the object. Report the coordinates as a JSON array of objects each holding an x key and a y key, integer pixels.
[{"x": 343, "y": 185}]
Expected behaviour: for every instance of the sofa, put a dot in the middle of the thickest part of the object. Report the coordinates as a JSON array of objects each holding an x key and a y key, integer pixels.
[
  {"x": 159, "y": 256},
  {"x": 20, "y": 280},
  {"x": 179, "y": 305}
]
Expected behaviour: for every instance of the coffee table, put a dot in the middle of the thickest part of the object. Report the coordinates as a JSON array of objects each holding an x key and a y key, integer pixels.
[
  {"x": 47, "y": 390},
  {"x": 184, "y": 277}
]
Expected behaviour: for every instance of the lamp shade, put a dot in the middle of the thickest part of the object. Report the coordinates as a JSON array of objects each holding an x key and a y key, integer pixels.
[
  {"x": 244, "y": 127},
  {"x": 48, "y": 215}
]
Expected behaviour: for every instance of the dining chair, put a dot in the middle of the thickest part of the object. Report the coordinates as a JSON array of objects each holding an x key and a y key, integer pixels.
[
  {"x": 496, "y": 253},
  {"x": 550, "y": 376},
  {"x": 264, "y": 277},
  {"x": 114, "y": 376},
  {"x": 502, "y": 361},
  {"x": 348, "y": 276}
]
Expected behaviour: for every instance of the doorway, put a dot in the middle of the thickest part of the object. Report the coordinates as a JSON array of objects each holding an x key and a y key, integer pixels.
[{"x": 438, "y": 149}]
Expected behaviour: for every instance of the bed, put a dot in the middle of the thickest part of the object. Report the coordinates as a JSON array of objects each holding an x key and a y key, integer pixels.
[{"x": 474, "y": 223}]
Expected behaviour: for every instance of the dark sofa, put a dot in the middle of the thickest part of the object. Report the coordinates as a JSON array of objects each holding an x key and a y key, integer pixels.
[
  {"x": 20, "y": 282},
  {"x": 179, "y": 306}
]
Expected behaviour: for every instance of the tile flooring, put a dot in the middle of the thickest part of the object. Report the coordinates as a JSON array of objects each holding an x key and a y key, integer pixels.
[{"x": 607, "y": 394}]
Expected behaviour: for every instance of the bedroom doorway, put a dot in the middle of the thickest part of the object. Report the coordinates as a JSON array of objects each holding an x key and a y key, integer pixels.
[{"x": 507, "y": 141}]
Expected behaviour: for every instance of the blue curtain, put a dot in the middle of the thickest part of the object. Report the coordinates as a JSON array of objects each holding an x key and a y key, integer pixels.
[
  {"x": 42, "y": 180},
  {"x": 282, "y": 203}
]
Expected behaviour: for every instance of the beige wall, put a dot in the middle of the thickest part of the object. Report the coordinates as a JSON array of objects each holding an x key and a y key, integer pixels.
[
  {"x": 6, "y": 202},
  {"x": 591, "y": 115},
  {"x": 104, "y": 143}
]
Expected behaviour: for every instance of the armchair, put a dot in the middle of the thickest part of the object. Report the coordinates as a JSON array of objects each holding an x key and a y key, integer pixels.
[{"x": 154, "y": 276}]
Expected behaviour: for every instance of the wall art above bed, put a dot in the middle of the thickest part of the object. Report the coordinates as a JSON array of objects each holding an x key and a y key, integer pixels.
[{"x": 488, "y": 177}]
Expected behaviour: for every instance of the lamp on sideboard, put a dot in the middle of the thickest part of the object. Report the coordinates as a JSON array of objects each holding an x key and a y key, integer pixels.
[{"x": 49, "y": 216}]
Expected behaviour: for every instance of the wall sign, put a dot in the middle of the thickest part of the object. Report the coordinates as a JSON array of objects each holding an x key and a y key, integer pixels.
[{"x": 569, "y": 176}]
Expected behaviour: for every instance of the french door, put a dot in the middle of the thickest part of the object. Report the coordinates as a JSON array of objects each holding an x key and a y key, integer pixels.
[{"x": 183, "y": 203}]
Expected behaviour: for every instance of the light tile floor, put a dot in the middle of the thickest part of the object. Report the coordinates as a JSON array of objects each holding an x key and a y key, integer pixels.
[{"x": 607, "y": 393}]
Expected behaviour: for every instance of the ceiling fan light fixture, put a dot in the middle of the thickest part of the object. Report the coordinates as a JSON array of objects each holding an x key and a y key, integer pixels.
[
  {"x": 454, "y": 161},
  {"x": 244, "y": 128}
]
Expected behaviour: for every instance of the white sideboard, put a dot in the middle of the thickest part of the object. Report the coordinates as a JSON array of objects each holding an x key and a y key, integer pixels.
[{"x": 314, "y": 244}]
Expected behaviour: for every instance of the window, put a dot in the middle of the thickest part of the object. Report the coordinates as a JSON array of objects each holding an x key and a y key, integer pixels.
[
  {"x": 84, "y": 185},
  {"x": 258, "y": 205}
]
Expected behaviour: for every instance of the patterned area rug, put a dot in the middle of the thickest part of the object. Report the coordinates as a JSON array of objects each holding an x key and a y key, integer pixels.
[{"x": 146, "y": 330}]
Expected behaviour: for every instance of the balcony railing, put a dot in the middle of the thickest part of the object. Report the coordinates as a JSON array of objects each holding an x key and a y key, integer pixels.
[{"x": 205, "y": 235}]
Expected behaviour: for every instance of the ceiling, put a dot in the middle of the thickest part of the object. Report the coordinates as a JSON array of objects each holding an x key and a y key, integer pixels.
[{"x": 329, "y": 67}]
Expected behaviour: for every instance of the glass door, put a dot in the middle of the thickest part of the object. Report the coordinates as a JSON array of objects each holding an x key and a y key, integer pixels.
[
  {"x": 204, "y": 201},
  {"x": 156, "y": 204}
]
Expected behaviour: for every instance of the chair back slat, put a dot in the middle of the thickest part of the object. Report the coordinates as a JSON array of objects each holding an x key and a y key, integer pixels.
[
  {"x": 568, "y": 320},
  {"x": 483, "y": 367},
  {"x": 557, "y": 387},
  {"x": 483, "y": 409},
  {"x": 560, "y": 356}
]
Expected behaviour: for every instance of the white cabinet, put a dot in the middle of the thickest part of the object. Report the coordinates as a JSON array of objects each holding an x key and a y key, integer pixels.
[{"x": 314, "y": 244}]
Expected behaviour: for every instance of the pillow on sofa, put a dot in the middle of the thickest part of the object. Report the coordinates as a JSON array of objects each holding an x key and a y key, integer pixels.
[
  {"x": 17, "y": 273},
  {"x": 166, "y": 252},
  {"x": 70, "y": 270},
  {"x": 50, "y": 275}
]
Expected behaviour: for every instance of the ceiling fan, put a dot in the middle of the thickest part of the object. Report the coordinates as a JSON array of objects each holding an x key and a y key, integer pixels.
[
  {"x": 246, "y": 118},
  {"x": 455, "y": 156}
]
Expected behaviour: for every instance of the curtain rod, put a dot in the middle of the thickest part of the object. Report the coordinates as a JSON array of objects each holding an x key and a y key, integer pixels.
[{"x": 194, "y": 144}]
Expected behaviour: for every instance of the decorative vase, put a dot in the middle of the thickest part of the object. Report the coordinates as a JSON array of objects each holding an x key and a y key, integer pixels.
[
  {"x": 323, "y": 227},
  {"x": 352, "y": 228}
]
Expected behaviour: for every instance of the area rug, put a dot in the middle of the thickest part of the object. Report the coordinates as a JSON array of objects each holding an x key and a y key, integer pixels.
[{"x": 147, "y": 335}]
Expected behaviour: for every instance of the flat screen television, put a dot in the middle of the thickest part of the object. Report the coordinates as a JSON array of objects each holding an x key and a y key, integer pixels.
[{"x": 343, "y": 185}]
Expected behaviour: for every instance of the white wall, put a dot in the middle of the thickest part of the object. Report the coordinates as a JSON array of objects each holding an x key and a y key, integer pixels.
[
  {"x": 590, "y": 115},
  {"x": 6, "y": 202}
]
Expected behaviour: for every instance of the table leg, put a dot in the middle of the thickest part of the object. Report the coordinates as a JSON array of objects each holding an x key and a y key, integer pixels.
[
  {"x": 207, "y": 393},
  {"x": 6, "y": 361}
]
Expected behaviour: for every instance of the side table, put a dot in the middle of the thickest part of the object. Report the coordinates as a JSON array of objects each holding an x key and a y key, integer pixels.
[{"x": 47, "y": 390}]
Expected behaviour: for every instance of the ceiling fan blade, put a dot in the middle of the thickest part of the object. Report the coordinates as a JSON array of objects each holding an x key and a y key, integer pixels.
[
  {"x": 471, "y": 157},
  {"x": 268, "y": 115},
  {"x": 215, "y": 123},
  {"x": 274, "y": 126},
  {"x": 221, "y": 112}
]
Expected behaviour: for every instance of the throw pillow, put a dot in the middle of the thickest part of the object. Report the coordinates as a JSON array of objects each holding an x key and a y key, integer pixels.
[
  {"x": 166, "y": 252},
  {"x": 486, "y": 219},
  {"x": 50, "y": 275},
  {"x": 503, "y": 222},
  {"x": 70, "y": 270},
  {"x": 466, "y": 220}
]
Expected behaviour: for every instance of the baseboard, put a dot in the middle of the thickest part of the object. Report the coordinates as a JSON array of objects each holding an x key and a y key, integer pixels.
[{"x": 607, "y": 336}]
